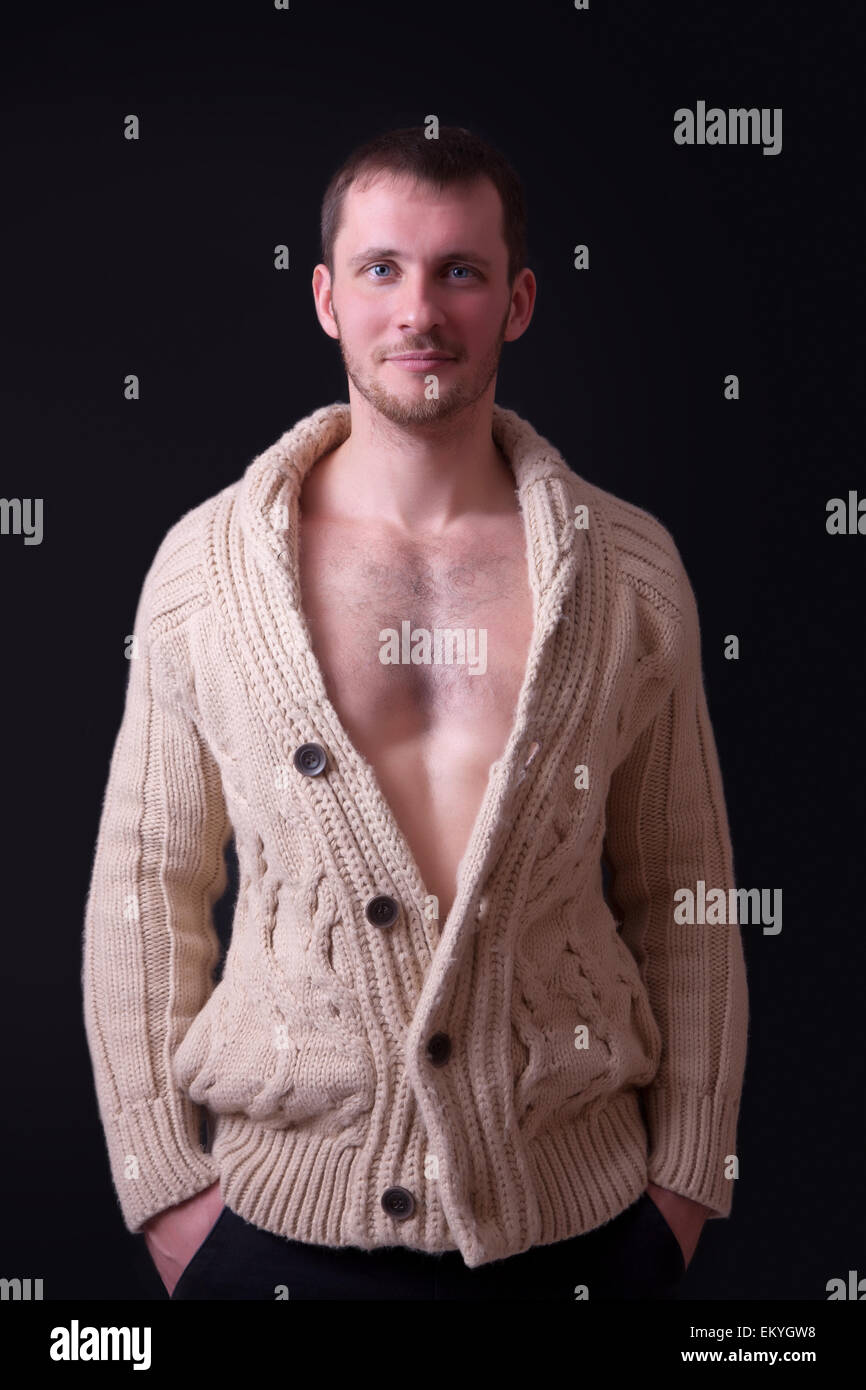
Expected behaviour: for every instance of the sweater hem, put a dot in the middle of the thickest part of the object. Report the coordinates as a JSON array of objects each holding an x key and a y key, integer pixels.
[{"x": 315, "y": 1188}]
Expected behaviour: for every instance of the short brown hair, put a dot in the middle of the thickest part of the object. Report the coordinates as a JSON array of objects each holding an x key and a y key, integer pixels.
[{"x": 458, "y": 156}]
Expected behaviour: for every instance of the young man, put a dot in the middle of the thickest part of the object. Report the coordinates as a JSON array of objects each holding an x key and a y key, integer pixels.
[{"x": 430, "y": 678}]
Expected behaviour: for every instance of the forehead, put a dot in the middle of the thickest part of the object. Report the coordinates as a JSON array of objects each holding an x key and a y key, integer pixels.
[{"x": 398, "y": 211}]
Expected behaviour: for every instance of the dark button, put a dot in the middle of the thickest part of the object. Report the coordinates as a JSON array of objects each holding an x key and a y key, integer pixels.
[
  {"x": 310, "y": 759},
  {"x": 439, "y": 1049},
  {"x": 398, "y": 1202},
  {"x": 382, "y": 911}
]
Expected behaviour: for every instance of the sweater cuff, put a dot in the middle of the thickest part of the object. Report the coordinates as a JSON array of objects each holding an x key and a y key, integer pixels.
[
  {"x": 155, "y": 1166},
  {"x": 692, "y": 1145}
]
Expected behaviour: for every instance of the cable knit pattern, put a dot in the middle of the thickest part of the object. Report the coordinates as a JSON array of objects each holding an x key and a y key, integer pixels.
[{"x": 311, "y": 1053}]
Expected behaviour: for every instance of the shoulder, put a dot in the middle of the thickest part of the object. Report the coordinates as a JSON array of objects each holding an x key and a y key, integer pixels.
[
  {"x": 646, "y": 558},
  {"x": 176, "y": 584}
]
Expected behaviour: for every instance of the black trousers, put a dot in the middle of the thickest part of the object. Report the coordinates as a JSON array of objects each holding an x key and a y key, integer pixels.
[{"x": 634, "y": 1256}]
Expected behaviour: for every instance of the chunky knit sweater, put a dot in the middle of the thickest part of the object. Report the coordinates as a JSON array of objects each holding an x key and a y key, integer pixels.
[{"x": 508, "y": 1078}]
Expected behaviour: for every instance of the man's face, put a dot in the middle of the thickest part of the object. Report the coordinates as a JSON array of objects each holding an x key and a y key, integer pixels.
[{"x": 415, "y": 269}]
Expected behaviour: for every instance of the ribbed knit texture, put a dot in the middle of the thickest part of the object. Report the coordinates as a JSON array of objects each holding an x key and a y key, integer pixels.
[{"x": 310, "y": 1053}]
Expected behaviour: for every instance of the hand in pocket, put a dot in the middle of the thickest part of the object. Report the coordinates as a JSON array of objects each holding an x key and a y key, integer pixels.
[
  {"x": 174, "y": 1235},
  {"x": 684, "y": 1217}
]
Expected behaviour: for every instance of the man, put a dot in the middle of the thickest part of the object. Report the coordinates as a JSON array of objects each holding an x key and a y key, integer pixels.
[{"x": 430, "y": 678}]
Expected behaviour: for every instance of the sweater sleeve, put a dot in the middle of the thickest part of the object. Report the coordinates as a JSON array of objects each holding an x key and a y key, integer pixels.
[
  {"x": 666, "y": 829},
  {"x": 149, "y": 942}
]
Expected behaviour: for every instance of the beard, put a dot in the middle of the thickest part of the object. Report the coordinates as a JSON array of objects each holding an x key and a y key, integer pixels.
[{"x": 414, "y": 407}]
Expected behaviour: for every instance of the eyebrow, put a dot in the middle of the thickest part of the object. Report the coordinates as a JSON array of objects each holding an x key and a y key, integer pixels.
[{"x": 382, "y": 253}]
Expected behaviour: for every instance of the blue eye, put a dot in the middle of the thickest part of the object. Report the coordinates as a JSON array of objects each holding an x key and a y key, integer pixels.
[{"x": 384, "y": 264}]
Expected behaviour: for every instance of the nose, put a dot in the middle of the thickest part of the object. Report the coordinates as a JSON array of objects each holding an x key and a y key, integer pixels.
[{"x": 419, "y": 309}]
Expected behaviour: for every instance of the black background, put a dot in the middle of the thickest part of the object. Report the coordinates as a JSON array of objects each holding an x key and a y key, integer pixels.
[{"x": 156, "y": 257}]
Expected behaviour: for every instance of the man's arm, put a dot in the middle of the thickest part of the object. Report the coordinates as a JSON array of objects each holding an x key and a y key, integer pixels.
[
  {"x": 666, "y": 829},
  {"x": 149, "y": 942}
]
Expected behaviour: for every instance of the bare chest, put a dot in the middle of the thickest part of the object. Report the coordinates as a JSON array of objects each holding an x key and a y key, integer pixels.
[
  {"x": 423, "y": 652},
  {"x": 433, "y": 638}
]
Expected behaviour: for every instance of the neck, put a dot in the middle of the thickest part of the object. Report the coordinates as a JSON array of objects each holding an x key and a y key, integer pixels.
[{"x": 419, "y": 479}]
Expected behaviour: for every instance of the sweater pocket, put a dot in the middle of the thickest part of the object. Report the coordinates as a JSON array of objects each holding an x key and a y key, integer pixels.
[
  {"x": 281, "y": 1039},
  {"x": 559, "y": 1038},
  {"x": 582, "y": 1031},
  {"x": 244, "y": 1053}
]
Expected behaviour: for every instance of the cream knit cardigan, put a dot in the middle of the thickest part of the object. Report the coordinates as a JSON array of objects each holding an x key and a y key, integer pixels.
[{"x": 591, "y": 1046}]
